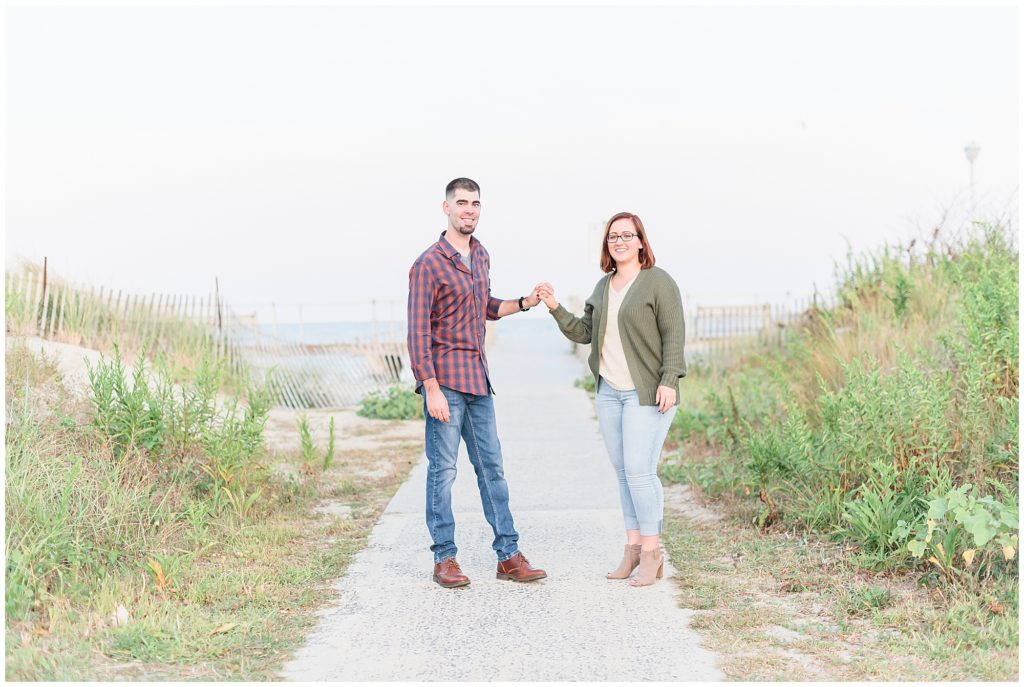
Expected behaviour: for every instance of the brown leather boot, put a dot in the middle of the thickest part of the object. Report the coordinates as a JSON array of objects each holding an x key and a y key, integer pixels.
[
  {"x": 630, "y": 559},
  {"x": 518, "y": 569},
  {"x": 448, "y": 574}
]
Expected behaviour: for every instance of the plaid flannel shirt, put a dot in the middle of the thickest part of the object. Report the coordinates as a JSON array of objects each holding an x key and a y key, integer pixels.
[{"x": 448, "y": 305}]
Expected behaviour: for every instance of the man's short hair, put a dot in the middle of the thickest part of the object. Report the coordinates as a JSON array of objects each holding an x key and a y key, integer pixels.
[{"x": 463, "y": 183}]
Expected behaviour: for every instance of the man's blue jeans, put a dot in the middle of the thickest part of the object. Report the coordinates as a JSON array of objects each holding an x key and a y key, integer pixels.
[{"x": 472, "y": 419}]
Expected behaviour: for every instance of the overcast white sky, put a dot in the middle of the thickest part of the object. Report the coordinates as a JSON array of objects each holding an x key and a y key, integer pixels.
[{"x": 300, "y": 153}]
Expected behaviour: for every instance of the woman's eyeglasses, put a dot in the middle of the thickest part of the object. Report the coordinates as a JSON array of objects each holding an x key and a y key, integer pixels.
[{"x": 626, "y": 236}]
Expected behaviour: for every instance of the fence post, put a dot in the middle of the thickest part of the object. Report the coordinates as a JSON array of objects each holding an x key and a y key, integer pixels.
[
  {"x": 31, "y": 302},
  {"x": 41, "y": 312},
  {"x": 18, "y": 287},
  {"x": 58, "y": 310},
  {"x": 43, "y": 308}
]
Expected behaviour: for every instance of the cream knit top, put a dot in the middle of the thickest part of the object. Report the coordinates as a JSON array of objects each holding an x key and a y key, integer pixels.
[{"x": 614, "y": 368}]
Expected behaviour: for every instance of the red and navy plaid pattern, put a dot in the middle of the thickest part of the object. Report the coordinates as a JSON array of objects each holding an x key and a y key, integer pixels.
[{"x": 448, "y": 304}]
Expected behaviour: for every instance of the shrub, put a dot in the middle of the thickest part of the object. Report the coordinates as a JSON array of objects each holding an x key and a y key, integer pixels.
[
  {"x": 396, "y": 403},
  {"x": 962, "y": 529},
  {"x": 150, "y": 415},
  {"x": 875, "y": 510},
  {"x": 128, "y": 413},
  {"x": 586, "y": 383}
]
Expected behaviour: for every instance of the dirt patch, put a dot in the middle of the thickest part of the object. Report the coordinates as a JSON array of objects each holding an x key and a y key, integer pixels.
[
  {"x": 335, "y": 509},
  {"x": 682, "y": 499},
  {"x": 351, "y": 432},
  {"x": 71, "y": 361}
]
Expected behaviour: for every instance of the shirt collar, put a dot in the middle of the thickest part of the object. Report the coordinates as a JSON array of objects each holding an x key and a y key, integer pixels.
[{"x": 448, "y": 249}]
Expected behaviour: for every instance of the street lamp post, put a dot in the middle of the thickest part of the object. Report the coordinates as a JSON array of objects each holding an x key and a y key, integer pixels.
[{"x": 971, "y": 150}]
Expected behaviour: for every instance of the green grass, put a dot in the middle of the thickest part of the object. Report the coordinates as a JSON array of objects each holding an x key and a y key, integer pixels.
[
  {"x": 879, "y": 412},
  {"x": 871, "y": 462},
  {"x": 849, "y": 625},
  {"x": 128, "y": 498}
]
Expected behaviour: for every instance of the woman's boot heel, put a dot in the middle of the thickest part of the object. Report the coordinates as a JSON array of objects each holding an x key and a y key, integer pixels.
[{"x": 652, "y": 567}]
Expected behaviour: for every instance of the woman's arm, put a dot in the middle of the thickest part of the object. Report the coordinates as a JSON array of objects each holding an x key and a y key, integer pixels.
[
  {"x": 574, "y": 328},
  {"x": 673, "y": 332}
]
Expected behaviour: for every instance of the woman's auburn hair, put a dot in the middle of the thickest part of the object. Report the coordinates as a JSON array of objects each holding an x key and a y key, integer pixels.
[{"x": 646, "y": 255}]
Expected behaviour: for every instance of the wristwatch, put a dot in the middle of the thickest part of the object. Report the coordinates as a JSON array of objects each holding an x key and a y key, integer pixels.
[{"x": 521, "y": 308}]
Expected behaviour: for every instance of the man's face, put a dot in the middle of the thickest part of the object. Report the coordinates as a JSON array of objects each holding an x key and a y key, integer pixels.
[{"x": 463, "y": 210}]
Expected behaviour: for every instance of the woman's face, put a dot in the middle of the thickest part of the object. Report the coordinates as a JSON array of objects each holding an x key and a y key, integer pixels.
[{"x": 623, "y": 251}]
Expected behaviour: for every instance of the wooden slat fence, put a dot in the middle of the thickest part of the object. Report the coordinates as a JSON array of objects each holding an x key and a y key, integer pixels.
[
  {"x": 326, "y": 375},
  {"x": 298, "y": 375},
  {"x": 719, "y": 335},
  {"x": 39, "y": 304}
]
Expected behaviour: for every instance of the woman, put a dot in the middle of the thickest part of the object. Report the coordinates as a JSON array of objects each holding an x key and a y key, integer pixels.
[{"x": 634, "y": 323}]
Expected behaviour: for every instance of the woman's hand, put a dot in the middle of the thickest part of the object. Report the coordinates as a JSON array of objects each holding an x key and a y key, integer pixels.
[
  {"x": 547, "y": 294},
  {"x": 665, "y": 398}
]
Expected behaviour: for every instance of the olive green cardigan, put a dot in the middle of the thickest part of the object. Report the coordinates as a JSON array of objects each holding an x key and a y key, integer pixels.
[{"x": 650, "y": 325}]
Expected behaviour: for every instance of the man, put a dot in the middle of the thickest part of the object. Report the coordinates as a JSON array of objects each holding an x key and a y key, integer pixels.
[{"x": 449, "y": 301}]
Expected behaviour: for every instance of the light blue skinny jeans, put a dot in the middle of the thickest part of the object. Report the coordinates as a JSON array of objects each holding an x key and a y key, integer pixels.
[{"x": 634, "y": 435}]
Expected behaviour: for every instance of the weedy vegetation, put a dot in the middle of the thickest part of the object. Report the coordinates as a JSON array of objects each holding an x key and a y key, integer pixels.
[
  {"x": 310, "y": 456},
  {"x": 394, "y": 403},
  {"x": 149, "y": 532},
  {"x": 888, "y": 425}
]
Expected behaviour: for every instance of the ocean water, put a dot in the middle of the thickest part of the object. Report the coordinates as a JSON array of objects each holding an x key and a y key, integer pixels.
[
  {"x": 520, "y": 327},
  {"x": 334, "y": 332}
]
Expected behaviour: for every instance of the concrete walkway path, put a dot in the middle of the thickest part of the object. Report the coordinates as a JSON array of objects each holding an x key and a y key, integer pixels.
[{"x": 391, "y": 622}]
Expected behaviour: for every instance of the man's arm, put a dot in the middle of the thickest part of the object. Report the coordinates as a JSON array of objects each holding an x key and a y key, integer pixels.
[
  {"x": 421, "y": 300},
  {"x": 497, "y": 308}
]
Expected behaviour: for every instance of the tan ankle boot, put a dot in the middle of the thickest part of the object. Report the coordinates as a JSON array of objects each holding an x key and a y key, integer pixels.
[
  {"x": 652, "y": 566},
  {"x": 630, "y": 559}
]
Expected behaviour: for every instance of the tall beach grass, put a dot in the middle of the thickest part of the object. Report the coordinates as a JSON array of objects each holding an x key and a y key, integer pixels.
[{"x": 891, "y": 422}]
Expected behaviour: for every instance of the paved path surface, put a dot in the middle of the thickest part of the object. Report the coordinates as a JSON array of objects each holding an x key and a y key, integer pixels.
[{"x": 391, "y": 622}]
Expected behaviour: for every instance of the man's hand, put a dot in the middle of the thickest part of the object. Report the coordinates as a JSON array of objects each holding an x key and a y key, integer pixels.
[
  {"x": 546, "y": 293},
  {"x": 533, "y": 299},
  {"x": 437, "y": 404},
  {"x": 665, "y": 398}
]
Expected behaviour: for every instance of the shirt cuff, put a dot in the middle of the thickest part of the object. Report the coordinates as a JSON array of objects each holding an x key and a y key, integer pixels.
[
  {"x": 423, "y": 372},
  {"x": 492, "y": 308}
]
